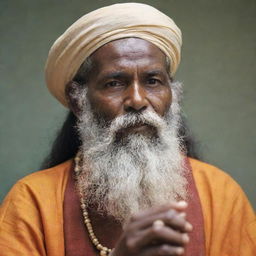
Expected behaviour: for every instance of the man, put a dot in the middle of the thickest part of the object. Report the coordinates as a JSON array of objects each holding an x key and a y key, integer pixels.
[{"x": 120, "y": 175}]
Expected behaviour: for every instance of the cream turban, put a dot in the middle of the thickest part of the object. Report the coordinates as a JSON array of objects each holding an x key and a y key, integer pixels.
[{"x": 104, "y": 25}]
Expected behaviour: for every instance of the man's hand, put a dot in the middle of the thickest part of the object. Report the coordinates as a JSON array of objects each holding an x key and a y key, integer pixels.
[{"x": 159, "y": 231}]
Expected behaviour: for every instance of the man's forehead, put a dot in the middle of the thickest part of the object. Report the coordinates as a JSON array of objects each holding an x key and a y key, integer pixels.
[
  {"x": 128, "y": 51},
  {"x": 130, "y": 45}
]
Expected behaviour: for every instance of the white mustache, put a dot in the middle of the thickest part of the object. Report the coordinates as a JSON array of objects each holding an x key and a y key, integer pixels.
[
  {"x": 106, "y": 136},
  {"x": 131, "y": 119}
]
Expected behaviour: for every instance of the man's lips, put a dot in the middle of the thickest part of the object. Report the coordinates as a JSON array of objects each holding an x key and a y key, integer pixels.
[{"x": 137, "y": 128}]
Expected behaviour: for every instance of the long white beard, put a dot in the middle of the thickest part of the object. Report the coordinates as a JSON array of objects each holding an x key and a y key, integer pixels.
[{"x": 122, "y": 178}]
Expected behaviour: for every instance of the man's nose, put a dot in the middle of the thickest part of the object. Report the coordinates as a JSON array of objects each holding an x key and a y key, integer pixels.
[{"x": 135, "y": 99}]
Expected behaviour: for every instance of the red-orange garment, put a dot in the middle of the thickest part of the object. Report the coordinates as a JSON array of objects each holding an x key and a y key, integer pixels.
[
  {"x": 76, "y": 236},
  {"x": 31, "y": 216}
]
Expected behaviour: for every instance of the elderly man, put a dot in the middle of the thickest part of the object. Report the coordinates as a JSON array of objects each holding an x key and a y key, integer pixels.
[{"x": 121, "y": 180}]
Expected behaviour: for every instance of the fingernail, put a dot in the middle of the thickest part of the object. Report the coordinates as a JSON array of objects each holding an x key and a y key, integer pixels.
[
  {"x": 185, "y": 238},
  {"x": 183, "y": 203},
  {"x": 179, "y": 250},
  {"x": 183, "y": 214},
  {"x": 158, "y": 224},
  {"x": 188, "y": 226}
]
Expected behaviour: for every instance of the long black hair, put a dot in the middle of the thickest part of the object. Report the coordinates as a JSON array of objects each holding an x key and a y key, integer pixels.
[{"x": 67, "y": 142}]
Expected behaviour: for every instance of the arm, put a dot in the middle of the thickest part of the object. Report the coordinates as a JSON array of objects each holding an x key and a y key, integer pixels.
[{"x": 21, "y": 231}]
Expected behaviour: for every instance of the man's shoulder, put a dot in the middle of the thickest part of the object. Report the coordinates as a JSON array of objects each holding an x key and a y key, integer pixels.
[
  {"x": 209, "y": 172},
  {"x": 217, "y": 187},
  {"x": 214, "y": 183},
  {"x": 33, "y": 208},
  {"x": 49, "y": 176},
  {"x": 41, "y": 184},
  {"x": 229, "y": 219}
]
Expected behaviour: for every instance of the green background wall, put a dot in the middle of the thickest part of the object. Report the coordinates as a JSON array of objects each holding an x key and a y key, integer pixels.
[{"x": 218, "y": 71}]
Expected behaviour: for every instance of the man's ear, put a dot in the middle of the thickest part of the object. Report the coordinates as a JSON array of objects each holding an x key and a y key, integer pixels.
[{"x": 75, "y": 95}]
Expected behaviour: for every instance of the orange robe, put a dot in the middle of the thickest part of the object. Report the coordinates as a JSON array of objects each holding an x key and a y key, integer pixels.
[{"x": 31, "y": 216}]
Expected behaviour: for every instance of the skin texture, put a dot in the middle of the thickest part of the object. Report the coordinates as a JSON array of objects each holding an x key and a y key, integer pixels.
[
  {"x": 130, "y": 75},
  {"x": 142, "y": 238},
  {"x": 127, "y": 78}
]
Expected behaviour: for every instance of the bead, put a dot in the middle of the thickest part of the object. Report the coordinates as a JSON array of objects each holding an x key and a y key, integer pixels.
[
  {"x": 103, "y": 253},
  {"x": 90, "y": 229},
  {"x": 95, "y": 240},
  {"x": 87, "y": 220},
  {"x": 77, "y": 159},
  {"x": 99, "y": 247},
  {"x": 83, "y": 206}
]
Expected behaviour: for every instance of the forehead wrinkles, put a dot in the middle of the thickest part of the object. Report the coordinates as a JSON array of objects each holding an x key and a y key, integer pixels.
[
  {"x": 124, "y": 66},
  {"x": 125, "y": 52}
]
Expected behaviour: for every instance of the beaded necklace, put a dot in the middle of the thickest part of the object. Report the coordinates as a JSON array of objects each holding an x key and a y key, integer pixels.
[{"x": 104, "y": 251}]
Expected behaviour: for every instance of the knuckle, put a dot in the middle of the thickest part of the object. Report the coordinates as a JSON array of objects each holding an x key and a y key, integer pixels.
[
  {"x": 169, "y": 250},
  {"x": 171, "y": 214},
  {"x": 180, "y": 240},
  {"x": 156, "y": 231},
  {"x": 134, "y": 217},
  {"x": 131, "y": 245},
  {"x": 163, "y": 250},
  {"x": 128, "y": 228}
]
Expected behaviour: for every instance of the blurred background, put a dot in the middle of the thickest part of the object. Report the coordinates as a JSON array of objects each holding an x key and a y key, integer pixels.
[{"x": 218, "y": 70}]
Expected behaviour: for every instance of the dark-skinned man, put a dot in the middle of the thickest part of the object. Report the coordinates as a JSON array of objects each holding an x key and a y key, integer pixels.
[{"x": 121, "y": 179}]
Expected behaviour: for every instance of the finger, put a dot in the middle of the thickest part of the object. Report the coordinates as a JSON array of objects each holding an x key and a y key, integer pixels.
[
  {"x": 170, "y": 218},
  {"x": 183, "y": 215},
  {"x": 179, "y": 206},
  {"x": 163, "y": 250},
  {"x": 177, "y": 221},
  {"x": 161, "y": 235},
  {"x": 151, "y": 211}
]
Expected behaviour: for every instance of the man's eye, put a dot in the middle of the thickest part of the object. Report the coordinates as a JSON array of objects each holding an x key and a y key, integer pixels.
[
  {"x": 113, "y": 84},
  {"x": 153, "y": 81}
]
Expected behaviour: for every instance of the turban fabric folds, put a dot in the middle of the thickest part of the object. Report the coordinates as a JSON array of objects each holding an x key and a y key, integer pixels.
[{"x": 102, "y": 26}]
